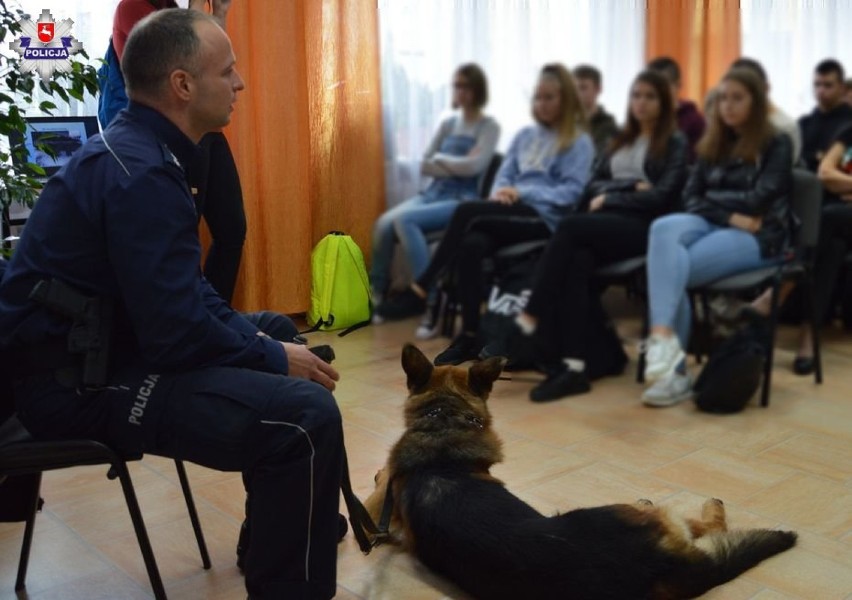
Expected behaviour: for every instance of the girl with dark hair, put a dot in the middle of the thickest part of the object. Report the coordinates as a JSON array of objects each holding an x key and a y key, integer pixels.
[
  {"x": 737, "y": 219},
  {"x": 541, "y": 178},
  {"x": 456, "y": 159},
  {"x": 638, "y": 179}
]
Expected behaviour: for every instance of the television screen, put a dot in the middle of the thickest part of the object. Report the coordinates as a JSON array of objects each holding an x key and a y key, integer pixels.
[{"x": 64, "y": 135}]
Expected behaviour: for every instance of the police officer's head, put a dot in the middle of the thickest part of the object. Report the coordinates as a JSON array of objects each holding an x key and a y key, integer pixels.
[{"x": 181, "y": 63}]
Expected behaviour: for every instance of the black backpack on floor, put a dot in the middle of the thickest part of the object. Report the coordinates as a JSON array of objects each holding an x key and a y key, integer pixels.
[{"x": 733, "y": 373}]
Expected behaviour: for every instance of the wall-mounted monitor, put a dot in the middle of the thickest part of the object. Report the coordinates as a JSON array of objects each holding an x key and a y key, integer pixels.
[{"x": 63, "y": 134}]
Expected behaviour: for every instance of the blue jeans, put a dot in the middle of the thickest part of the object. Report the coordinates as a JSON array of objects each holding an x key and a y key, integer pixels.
[
  {"x": 684, "y": 251},
  {"x": 407, "y": 222}
]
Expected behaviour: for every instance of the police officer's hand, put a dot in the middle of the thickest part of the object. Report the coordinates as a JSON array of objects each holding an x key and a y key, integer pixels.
[{"x": 307, "y": 365}]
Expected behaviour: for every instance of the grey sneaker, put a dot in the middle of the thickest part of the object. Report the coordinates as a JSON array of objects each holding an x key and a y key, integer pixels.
[
  {"x": 662, "y": 357},
  {"x": 668, "y": 391}
]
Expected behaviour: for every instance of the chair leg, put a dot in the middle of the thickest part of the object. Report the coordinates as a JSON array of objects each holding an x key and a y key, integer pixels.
[
  {"x": 706, "y": 330},
  {"x": 449, "y": 318},
  {"x": 21, "y": 581},
  {"x": 770, "y": 350},
  {"x": 120, "y": 468},
  {"x": 814, "y": 322},
  {"x": 193, "y": 514},
  {"x": 640, "y": 365}
]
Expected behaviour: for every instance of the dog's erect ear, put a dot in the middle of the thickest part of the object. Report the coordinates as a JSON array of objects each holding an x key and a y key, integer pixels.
[
  {"x": 416, "y": 366},
  {"x": 483, "y": 374}
]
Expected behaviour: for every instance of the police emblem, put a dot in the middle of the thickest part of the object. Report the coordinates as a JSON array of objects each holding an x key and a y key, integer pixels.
[{"x": 46, "y": 46}]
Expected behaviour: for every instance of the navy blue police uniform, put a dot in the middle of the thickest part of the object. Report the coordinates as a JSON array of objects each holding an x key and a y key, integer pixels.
[{"x": 190, "y": 378}]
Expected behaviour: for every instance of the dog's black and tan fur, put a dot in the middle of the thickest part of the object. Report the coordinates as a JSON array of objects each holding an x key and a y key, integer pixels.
[{"x": 462, "y": 523}]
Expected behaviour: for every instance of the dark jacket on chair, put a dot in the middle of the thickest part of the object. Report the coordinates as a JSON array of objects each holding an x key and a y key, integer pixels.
[
  {"x": 715, "y": 192},
  {"x": 666, "y": 174}
]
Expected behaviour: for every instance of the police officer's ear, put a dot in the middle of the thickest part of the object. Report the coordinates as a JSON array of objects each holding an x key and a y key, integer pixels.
[{"x": 181, "y": 84}]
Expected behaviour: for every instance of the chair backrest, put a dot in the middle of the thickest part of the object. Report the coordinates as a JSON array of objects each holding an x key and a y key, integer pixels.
[
  {"x": 806, "y": 204},
  {"x": 490, "y": 173}
]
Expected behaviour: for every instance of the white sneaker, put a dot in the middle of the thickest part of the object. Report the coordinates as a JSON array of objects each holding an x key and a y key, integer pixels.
[
  {"x": 668, "y": 391},
  {"x": 430, "y": 326},
  {"x": 662, "y": 356},
  {"x": 427, "y": 329},
  {"x": 376, "y": 300}
]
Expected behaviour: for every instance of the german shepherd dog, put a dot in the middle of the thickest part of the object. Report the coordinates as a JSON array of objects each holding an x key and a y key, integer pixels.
[{"x": 462, "y": 523}]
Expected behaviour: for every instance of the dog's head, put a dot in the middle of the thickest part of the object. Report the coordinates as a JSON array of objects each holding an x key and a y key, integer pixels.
[{"x": 471, "y": 386}]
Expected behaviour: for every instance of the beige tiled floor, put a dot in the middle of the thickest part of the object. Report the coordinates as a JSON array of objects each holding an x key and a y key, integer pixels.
[{"x": 789, "y": 465}]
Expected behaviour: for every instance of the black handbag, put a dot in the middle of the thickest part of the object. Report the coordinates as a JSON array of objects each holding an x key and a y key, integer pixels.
[{"x": 733, "y": 373}]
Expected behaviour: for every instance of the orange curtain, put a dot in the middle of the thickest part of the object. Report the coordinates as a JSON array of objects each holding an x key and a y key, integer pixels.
[
  {"x": 703, "y": 36},
  {"x": 306, "y": 135}
]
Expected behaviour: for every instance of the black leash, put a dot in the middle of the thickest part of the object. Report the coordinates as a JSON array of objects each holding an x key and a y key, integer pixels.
[{"x": 360, "y": 520}]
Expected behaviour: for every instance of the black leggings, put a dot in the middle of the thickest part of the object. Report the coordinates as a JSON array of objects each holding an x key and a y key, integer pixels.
[
  {"x": 220, "y": 201},
  {"x": 476, "y": 231},
  {"x": 564, "y": 298}
]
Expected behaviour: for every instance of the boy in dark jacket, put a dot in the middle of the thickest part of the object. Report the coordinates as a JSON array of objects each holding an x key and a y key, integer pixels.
[
  {"x": 831, "y": 114},
  {"x": 689, "y": 118}
]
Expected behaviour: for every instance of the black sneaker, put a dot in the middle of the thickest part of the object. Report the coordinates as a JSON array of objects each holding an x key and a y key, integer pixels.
[
  {"x": 403, "y": 305},
  {"x": 465, "y": 347},
  {"x": 560, "y": 385}
]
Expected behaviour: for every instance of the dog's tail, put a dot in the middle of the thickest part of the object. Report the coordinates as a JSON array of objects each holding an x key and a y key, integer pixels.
[{"x": 727, "y": 555}]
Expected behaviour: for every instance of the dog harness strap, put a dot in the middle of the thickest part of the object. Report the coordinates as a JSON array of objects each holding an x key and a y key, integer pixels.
[{"x": 359, "y": 518}]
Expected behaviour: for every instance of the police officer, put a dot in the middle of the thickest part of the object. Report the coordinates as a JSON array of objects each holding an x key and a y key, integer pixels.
[{"x": 190, "y": 378}]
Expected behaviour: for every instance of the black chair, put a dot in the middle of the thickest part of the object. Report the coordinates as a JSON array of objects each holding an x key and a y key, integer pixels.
[
  {"x": 21, "y": 455},
  {"x": 806, "y": 204}
]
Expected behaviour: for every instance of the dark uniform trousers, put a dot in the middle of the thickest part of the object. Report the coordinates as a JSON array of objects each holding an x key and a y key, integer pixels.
[{"x": 283, "y": 433}]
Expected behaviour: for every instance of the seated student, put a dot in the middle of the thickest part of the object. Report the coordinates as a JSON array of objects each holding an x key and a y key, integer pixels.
[
  {"x": 835, "y": 239},
  {"x": 831, "y": 114},
  {"x": 542, "y": 176},
  {"x": 847, "y": 97},
  {"x": 602, "y": 126},
  {"x": 736, "y": 219},
  {"x": 782, "y": 122},
  {"x": 638, "y": 179},
  {"x": 689, "y": 119},
  {"x": 459, "y": 154}
]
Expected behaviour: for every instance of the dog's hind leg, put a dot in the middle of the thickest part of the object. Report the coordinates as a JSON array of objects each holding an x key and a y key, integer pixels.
[{"x": 713, "y": 519}]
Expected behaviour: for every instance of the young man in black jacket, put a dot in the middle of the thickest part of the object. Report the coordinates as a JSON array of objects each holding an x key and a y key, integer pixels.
[
  {"x": 602, "y": 126},
  {"x": 831, "y": 114}
]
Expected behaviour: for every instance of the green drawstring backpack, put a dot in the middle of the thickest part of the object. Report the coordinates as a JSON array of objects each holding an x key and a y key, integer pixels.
[{"x": 340, "y": 289}]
